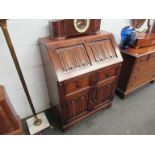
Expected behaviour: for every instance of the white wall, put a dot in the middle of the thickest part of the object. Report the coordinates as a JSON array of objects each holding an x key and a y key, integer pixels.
[
  {"x": 24, "y": 35},
  {"x": 114, "y": 26}
]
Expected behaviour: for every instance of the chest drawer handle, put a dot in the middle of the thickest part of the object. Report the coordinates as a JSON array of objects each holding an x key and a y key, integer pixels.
[
  {"x": 78, "y": 85},
  {"x": 107, "y": 75}
]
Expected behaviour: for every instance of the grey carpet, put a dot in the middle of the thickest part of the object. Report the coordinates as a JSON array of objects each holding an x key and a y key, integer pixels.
[{"x": 133, "y": 115}]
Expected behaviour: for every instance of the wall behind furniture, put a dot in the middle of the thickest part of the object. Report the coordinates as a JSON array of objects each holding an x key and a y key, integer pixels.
[{"x": 24, "y": 35}]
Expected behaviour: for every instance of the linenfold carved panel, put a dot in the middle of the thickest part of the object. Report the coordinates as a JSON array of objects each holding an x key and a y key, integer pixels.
[
  {"x": 77, "y": 105},
  {"x": 73, "y": 58},
  {"x": 102, "y": 50}
]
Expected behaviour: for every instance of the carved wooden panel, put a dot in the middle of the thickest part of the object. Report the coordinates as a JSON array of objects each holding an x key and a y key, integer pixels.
[
  {"x": 102, "y": 50},
  {"x": 77, "y": 105},
  {"x": 103, "y": 93},
  {"x": 73, "y": 58}
]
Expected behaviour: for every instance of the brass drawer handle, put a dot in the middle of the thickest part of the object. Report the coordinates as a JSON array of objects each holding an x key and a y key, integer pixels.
[{"x": 108, "y": 86}]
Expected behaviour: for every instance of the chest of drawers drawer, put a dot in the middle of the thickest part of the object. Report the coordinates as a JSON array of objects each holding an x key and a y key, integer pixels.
[
  {"x": 151, "y": 57},
  {"x": 142, "y": 59}
]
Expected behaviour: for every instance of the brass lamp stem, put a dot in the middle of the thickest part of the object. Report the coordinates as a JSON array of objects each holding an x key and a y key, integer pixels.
[{"x": 3, "y": 25}]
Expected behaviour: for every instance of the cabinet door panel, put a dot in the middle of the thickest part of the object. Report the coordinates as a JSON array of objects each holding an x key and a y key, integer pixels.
[
  {"x": 103, "y": 93},
  {"x": 77, "y": 105}
]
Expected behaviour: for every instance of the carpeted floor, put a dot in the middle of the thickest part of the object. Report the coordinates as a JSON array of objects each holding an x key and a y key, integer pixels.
[{"x": 133, "y": 115}]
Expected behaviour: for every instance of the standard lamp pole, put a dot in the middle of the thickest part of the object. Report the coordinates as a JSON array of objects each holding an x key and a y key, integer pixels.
[{"x": 3, "y": 25}]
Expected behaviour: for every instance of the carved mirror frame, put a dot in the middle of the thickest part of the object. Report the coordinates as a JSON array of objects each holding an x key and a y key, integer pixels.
[{"x": 138, "y": 23}]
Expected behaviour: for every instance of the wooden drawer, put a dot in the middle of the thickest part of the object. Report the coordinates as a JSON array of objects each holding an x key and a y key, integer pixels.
[
  {"x": 76, "y": 85},
  {"x": 152, "y": 56},
  {"x": 107, "y": 74},
  {"x": 141, "y": 75},
  {"x": 142, "y": 59},
  {"x": 103, "y": 92}
]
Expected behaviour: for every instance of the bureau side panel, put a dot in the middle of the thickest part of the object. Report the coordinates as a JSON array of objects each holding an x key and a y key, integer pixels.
[{"x": 50, "y": 76}]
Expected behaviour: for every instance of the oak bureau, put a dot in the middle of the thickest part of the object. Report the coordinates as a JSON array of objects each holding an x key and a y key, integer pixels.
[{"x": 81, "y": 73}]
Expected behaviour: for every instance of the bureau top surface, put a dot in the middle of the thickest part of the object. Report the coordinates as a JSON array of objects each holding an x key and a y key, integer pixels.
[
  {"x": 76, "y": 56},
  {"x": 1, "y": 93},
  {"x": 139, "y": 51}
]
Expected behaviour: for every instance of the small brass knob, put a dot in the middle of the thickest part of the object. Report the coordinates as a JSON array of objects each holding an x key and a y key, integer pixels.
[
  {"x": 109, "y": 85},
  {"x": 107, "y": 75}
]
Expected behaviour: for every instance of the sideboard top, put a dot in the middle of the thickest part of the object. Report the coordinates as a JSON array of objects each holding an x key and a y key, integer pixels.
[{"x": 138, "y": 52}]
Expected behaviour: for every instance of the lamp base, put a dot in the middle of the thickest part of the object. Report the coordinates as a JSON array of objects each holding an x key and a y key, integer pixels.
[{"x": 35, "y": 128}]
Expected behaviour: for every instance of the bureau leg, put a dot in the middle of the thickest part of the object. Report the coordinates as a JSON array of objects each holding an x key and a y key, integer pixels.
[
  {"x": 109, "y": 105},
  {"x": 66, "y": 128},
  {"x": 153, "y": 81},
  {"x": 120, "y": 94}
]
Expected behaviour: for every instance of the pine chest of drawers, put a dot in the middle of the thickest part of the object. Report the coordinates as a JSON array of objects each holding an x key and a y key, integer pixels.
[
  {"x": 137, "y": 70},
  {"x": 81, "y": 74}
]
